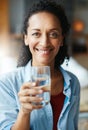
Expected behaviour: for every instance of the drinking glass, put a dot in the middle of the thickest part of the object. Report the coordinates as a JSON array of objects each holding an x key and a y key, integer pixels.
[{"x": 41, "y": 75}]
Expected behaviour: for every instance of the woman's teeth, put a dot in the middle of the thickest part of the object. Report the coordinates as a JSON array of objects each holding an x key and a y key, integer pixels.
[{"x": 44, "y": 51}]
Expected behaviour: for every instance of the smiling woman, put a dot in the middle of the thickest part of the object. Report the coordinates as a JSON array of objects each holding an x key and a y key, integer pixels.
[
  {"x": 44, "y": 35},
  {"x": 25, "y": 54}
]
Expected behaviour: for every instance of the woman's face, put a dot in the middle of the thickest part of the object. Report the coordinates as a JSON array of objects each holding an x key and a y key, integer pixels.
[{"x": 44, "y": 38}]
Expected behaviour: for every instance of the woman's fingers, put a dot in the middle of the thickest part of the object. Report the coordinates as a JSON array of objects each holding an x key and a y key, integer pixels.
[
  {"x": 28, "y": 97},
  {"x": 30, "y": 91},
  {"x": 31, "y": 106}
]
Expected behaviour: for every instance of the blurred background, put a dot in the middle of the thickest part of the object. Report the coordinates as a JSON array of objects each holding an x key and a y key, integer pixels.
[{"x": 12, "y": 13}]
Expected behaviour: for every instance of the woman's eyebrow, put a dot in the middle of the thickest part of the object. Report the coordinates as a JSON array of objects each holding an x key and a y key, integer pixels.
[
  {"x": 36, "y": 29},
  {"x": 57, "y": 29}
]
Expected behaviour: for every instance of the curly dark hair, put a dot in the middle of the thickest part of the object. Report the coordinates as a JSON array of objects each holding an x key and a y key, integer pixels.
[{"x": 51, "y": 7}]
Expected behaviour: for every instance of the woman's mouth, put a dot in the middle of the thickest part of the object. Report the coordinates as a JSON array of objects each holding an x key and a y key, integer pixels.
[{"x": 43, "y": 51}]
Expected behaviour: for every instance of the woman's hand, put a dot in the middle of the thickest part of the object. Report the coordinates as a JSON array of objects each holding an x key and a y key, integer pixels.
[{"x": 28, "y": 97}]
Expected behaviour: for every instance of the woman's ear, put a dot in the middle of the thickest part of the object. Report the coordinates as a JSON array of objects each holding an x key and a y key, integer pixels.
[{"x": 26, "y": 40}]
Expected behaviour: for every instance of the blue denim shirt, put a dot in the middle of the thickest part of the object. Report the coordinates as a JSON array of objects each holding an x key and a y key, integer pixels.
[{"x": 41, "y": 119}]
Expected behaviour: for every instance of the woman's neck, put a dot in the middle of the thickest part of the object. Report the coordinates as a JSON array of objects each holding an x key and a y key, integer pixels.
[{"x": 56, "y": 82}]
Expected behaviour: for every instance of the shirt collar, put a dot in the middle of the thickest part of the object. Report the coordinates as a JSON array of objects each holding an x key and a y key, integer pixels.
[{"x": 67, "y": 79}]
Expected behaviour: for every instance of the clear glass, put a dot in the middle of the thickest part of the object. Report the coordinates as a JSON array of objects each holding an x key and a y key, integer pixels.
[{"x": 41, "y": 75}]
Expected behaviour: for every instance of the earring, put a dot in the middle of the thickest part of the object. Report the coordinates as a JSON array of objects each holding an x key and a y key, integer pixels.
[{"x": 66, "y": 60}]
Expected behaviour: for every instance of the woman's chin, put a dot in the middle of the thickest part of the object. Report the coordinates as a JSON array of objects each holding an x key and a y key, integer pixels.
[{"x": 43, "y": 61}]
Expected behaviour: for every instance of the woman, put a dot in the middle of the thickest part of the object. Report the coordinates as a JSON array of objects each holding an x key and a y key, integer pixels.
[{"x": 45, "y": 30}]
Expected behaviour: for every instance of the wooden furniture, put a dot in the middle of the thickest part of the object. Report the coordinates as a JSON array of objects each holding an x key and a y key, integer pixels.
[{"x": 4, "y": 21}]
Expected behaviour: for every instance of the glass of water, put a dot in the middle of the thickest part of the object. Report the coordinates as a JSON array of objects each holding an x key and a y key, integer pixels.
[{"x": 41, "y": 75}]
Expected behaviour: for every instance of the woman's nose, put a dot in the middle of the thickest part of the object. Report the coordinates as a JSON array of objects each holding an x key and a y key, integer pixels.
[{"x": 44, "y": 40}]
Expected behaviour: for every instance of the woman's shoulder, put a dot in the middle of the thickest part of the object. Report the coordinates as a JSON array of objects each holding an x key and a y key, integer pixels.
[
  {"x": 67, "y": 73},
  {"x": 74, "y": 78},
  {"x": 17, "y": 76},
  {"x": 74, "y": 83},
  {"x": 11, "y": 75}
]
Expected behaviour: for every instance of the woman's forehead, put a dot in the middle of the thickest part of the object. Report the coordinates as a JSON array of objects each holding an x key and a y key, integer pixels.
[{"x": 42, "y": 18}]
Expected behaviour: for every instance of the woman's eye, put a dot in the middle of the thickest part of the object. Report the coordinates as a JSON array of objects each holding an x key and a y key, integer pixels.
[
  {"x": 36, "y": 34},
  {"x": 54, "y": 35}
]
